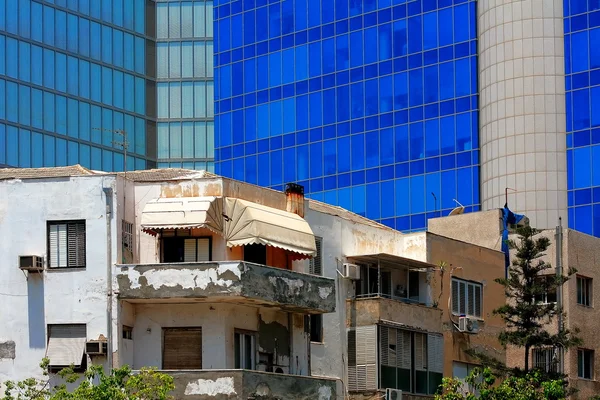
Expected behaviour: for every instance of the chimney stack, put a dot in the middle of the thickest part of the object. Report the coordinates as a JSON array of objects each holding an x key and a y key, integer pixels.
[{"x": 294, "y": 194}]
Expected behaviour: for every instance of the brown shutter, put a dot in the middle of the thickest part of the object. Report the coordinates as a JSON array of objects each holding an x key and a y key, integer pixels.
[{"x": 182, "y": 348}]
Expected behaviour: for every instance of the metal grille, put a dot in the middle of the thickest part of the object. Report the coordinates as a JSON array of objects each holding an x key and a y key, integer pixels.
[{"x": 127, "y": 232}]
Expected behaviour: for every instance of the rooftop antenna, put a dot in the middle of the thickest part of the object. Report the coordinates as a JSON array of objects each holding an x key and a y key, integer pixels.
[
  {"x": 458, "y": 210},
  {"x": 506, "y": 195},
  {"x": 434, "y": 203},
  {"x": 124, "y": 144}
]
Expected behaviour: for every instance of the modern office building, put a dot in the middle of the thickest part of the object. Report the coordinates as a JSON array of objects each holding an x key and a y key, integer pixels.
[
  {"x": 397, "y": 108},
  {"x": 76, "y": 73}
]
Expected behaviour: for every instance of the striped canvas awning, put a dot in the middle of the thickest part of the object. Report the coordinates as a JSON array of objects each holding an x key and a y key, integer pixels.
[{"x": 183, "y": 213}]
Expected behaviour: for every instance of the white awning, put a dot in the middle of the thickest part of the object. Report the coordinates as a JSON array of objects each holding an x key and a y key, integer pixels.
[
  {"x": 183, "y": 213},
  {"x": 66, "y": 345},
  {"x": 252, "y": 223}
]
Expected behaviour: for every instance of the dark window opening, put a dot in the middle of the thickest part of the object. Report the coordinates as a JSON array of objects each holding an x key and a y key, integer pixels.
[
  {"x": 316, "y": 328},
  {"x": 255, "y": 253}
]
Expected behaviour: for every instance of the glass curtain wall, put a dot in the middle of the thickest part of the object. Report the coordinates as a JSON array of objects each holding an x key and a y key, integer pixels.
[
  {"x": 185, "y": 84},
  {"x": 370, "y": 104},
  {"x": 72, "y": 71},
  {"x": 582, "y": 69}
]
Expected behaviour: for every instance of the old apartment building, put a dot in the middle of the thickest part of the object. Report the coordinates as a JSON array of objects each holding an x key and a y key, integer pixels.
[
  {"x": 236, "y": 290},
  {"x": 578, "y": 251}
]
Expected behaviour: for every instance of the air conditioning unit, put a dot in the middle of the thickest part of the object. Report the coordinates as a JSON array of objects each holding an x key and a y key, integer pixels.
[
  {"x": 468, "y": 325},
  {"x": 95, "y": 347},
  {"x": 393, "y": 394},
  {"x": 351, "y": 271},
  {"x": 31, "y": 263}
]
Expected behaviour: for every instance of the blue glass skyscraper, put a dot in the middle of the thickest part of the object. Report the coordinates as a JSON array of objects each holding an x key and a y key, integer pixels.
[
  {"x": 73, "y": 72},
  {"x": 371, "y": 105}
]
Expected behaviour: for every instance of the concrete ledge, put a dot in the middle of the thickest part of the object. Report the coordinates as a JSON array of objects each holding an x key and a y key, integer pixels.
[
  {"x": 244, "y": 384},
  {"x": 370, "y": 311},
  {"x": 233, "y": 281}
]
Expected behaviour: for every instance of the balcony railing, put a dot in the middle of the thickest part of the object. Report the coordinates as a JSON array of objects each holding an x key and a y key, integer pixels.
[{"x": 232, "y": 281}]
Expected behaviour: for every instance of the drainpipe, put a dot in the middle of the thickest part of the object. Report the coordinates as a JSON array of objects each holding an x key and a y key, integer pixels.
[
  {"x": 108, "y": 192},
  {"x": 558, "y": 239}
]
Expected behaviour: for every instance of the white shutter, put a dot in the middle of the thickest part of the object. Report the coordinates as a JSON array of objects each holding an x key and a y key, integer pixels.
[
  {"x": 58, "y": 246},
  {"x": 403, "y": 347},
  {"x": 384, "y": 345},
  {"x": 455, "y": 297},
  {"x": 362, "y": 358},
  {"x": 203, "y": 247},
  {"x": 435, "y": 352},
  {"x": 420, "y": 352},
  {"x": 189, "y": 250}
]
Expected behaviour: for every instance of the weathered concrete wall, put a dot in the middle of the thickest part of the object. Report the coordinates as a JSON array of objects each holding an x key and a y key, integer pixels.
[
  {"x": 31, "y": 302},
  {"x": 482, "y": 228},
  {"x": 218, "y": 322},
  {"x": 231, "y": 384},
  {"x": 363, "y": 312},
  {"x": 266, "y": 285},
  {"x": 473, "y": 263}
]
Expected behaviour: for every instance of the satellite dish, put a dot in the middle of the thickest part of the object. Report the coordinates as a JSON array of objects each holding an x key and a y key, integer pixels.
[{"x": 458, "y": 210}]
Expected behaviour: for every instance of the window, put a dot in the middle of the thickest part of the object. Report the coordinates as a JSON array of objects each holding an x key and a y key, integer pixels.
[
  {"x": 127, "y": 332},
  {"x": 467, "y": 298},
  {"x": 316, "y": 263},
  {"x": 585, "y": 363},
  {"x": 245, "y": 350},
  {"x": 182, "y": 348},
  {"x": 66, "y": 347},
  {"x": 66, "y": 244},
  {"x": 255, "y": 253},
  {"x": 548, "y": 295},
  {"x": 179, "y": 246},
  {"x": 547, "y": 359},
  {"x": 462, "y": 371},
  {"x": 316, "y": 328},
  {"x": 584, "y": 291},
  {"x": 127, "y": 233}
]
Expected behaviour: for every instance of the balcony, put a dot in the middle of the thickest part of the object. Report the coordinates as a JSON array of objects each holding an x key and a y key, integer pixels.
[
  {"x": 245, "y": 384},
  {"x": 374, "y": 310},
  {"x": 226, "y": 281}
]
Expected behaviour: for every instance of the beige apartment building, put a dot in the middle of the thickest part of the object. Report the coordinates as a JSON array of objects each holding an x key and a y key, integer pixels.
[{"x": 579, "y": 251}]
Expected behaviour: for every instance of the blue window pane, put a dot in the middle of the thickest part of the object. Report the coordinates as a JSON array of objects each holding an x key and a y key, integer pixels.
[
  {"x": 72, "y": 33},
  {"x": 12, "y": 94},
  {"x": 117, "y": 40},
  {"x": 61, "y": 115},
  {"x": 25, "y": 61},
  {"x": 400, "y": 38},
  {"x": 95, "y": 40},
  {"x": 36, "y": 15},
  {"x": 594, "y": 55},
  {"x": 582, "y": 167},
  {"x": 48, "y": 111},
  {"x": 12, "y": 146},
  {"x": 301, "y": 63},
  {"x": 37, "y": 150},
  {"x": 12, "y": 53},
  {"x": 12, "y": 8},
  {"x": 416, "y": 87},
  {"x": 84, "y": 37},
  {"x": 48, "y": 25},
  {"x": 24, "y": 104},
  {"x": 342, "y": 52},
  {"x": 24, "y": 148},
  {"x": 581, "y": 109},
  {"x": 414, "y": 34},
  {"x": 60, "y": 33},
  {"x": 24, "y": 18},
  {"x": 579, "y": 51},
  {"x": 430, "y": 30},
  {"x": 2, "y": 99},
  {"x": 385, "y": 42},
  {"x": 461, "y": 23},
  {"x": 84, "y": 79}
]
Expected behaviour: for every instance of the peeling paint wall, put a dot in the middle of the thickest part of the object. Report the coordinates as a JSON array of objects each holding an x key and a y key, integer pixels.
[
  {"x": 28, "y": 303},
  {"x": 218, "y": 322}
]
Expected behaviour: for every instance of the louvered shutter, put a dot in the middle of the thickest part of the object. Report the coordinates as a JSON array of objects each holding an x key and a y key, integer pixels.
[
  {"x": 189, "y": 250},
  {"x": 435, "y": 351},
  {"x": 420, "y": 352},
  {"x": 384, "y": 358},
  {"x": 58, "y": 246},
  {"x": 478, "y": 301},
  {"x": 203, "y": 248},
  {"x": 316, "y": 263},
  {"x": 462, "y": 296},
  {"x": 182, "y": 348},
  {"x": 455, "y": 297},
  {"x": 76, "y": 244},
  {"x": 403, "y": 358},
  {"x": 392, "y": 346},
  {"x": 362, "y": 367},
  {"x": 470, "y": 299}
]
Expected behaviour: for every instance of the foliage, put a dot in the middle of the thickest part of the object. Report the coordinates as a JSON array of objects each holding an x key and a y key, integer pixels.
[
  {"x": 95, "y": 384},
  {"x": 531, "y": 386}
]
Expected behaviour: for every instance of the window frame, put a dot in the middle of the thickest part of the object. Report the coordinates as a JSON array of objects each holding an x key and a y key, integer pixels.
[
  {"x": 587, "y": 291},
  {"x": 545, "y": 295},
  {"x": 53, "y": 369},
  {"x": 51, "y": 223},
  {"x": 546, "y": 354},
  {"x": 581, "y": 363},
  {"x": 183, "y": 234},
  {"x": 472, "y": 284},
  {"x": 243, "y": 333}
]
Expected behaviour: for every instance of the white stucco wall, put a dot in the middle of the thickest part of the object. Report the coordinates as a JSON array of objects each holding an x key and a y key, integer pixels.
[{"x": 28, "y": 303}]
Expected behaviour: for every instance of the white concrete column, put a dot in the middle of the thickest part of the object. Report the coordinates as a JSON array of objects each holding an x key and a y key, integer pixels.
[{"x": 522, "y": 108}]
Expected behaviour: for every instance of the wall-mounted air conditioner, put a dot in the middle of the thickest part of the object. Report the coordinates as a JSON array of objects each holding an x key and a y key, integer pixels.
[
  {"x": 31, "y": 263},
  {"x": 468, "y": 325},
  {"x": 351, "y": 271},
  {"x": 95, "y": 347},
  {"x": 393, "y": 394}
]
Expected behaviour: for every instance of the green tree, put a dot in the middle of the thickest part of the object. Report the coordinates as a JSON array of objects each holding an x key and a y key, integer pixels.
[
  {"x": 121, "y": 384},
  {"x": 531, "y": 386},
  {"x": 527, "y": 318}
]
